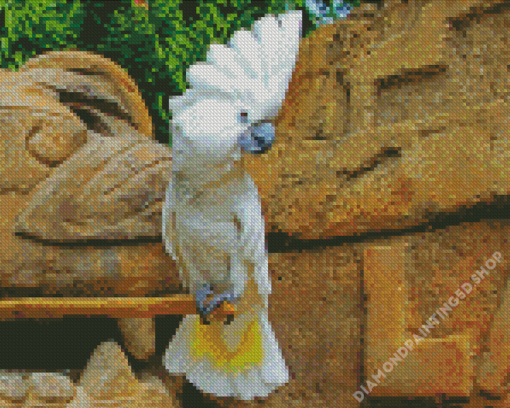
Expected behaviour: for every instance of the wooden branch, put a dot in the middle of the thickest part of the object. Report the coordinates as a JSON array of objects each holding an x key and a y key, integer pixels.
[{"x": 115, "y": 307}]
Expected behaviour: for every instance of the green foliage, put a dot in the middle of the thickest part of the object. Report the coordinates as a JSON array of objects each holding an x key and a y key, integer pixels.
[
  {"x": 155, "y": 44},
  {"x": 31, "y": 27}
]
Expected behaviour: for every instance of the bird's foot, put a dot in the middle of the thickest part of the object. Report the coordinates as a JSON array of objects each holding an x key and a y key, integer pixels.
[{"x": 212, "y": 307}]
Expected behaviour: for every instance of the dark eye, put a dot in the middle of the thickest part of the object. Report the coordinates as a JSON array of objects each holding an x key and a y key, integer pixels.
[{"x": 243, "y": 117}]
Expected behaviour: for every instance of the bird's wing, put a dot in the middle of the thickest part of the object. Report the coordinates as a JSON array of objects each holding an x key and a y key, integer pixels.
[{"x": 252, "y": 243}]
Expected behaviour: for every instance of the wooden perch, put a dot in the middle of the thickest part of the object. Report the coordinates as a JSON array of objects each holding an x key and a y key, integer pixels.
[{"x": 116, "y": 307}]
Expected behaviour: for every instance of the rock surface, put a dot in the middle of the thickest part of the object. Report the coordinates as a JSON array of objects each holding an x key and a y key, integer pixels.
[
  {"x": 13, "y": 387},
  {"x": 139, "y": 335},
  {"x": 80, "y": 180},
  {"x": 369, "y": 142},
  {"x": 108, "y": 375},
  {"x": 108, "y": 381},
  {"x": 50, "y": 388}
]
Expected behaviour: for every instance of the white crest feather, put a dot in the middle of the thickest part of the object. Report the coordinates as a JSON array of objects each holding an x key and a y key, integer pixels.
[{"x": 255, "y": 67}]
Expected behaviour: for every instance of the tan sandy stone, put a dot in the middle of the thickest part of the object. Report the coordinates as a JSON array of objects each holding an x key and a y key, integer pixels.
[
  {"x": 320, "y": 181},
  {"x": 139, "y": 336},
  {"x": 117, "y": 187},
  {"x": 40, "y": 133},
  {"x": 108, "y": 376},
  {"x": 49, "y": 390},
  {"x": 81, "y": 400},
  {"x": 155, "y": 394},
  {"x": 13, "y": 387}
]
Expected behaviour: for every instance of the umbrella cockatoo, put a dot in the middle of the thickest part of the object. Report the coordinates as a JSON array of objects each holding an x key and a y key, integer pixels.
[{"x": 212, "y": 217}]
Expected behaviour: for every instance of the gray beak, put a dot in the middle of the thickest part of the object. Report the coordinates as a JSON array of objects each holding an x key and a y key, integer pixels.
[{"x": 258, "y": 138}]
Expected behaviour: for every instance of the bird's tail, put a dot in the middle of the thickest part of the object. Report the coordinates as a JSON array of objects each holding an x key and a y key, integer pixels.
[{"x": 240, "y": 360}]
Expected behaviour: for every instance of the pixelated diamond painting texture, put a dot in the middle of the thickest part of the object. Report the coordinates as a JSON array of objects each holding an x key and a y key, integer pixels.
[{"x": 384, "y": 196}]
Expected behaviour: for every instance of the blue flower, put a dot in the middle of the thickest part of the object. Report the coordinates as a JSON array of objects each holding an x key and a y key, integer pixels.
[{"x": 323, "y": 14}]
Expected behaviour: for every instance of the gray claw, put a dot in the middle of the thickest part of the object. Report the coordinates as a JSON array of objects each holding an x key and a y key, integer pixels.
[
  {"x": 206, "y": 307},
  {"x": 217, "y": 300},
  {"x": 201, "y": 300}
]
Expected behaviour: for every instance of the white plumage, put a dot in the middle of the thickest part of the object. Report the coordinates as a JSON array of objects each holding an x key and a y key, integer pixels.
[{"x": 212, "y": 218}]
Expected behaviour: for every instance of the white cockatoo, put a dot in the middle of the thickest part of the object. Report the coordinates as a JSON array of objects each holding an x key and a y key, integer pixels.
[{"x": 212, "y": 217}]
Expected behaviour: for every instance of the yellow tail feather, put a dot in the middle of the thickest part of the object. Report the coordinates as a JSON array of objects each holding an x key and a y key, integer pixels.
[{"x": 208, "y": 340}]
